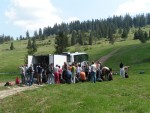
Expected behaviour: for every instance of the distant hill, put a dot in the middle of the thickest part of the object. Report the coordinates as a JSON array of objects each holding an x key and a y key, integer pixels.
[{"x": 96, "y": 37}]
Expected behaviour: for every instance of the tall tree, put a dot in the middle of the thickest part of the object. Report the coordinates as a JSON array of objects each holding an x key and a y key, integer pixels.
[
  {"x": 91, "y": 39},
  {"x": 110, "y": 36},
  {"x": 34, "y": 46},
  {"x": 61, "y": 43},
  {"x": 20, "y": 37},
  {"x": 73, "y": 38},
  {"x": 29, "y": 46},
  {"x": 36, "y": 35},
  {"x": 41, "y": 34},
  {"x": 142, "y": 36},
  {"x": 80, "y": 38},
  {"x": 124, "y": 34},
  {"x": 12, "y": 46},
  {"x": 27, "y": 35}
]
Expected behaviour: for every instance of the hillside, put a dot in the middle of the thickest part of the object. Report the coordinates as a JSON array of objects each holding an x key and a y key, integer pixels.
[
  {"x": 11, "y": 59},
  {"x": 118, "y": 96}
]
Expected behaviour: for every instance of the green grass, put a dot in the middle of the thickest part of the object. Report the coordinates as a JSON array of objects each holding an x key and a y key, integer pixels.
[
  {"x": 9, "y": 77},
  {"x": 130, "y": 95}
]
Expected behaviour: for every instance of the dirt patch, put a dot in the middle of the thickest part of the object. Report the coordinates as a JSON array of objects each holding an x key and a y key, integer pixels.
[
  {"x": 106, "y": 57},
  {"x": 16, "y": 89}
]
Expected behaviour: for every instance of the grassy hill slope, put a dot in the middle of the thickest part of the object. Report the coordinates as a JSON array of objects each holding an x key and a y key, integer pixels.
[{"x": 130, "y": 95}]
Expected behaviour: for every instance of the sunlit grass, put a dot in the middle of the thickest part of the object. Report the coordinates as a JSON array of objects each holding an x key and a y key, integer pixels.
[
  {"x": 130, "y": 95},
  {"x": 117, "y": 96}
]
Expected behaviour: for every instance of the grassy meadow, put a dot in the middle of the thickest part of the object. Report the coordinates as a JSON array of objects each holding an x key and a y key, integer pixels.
[{"x": 131, "y": 95}]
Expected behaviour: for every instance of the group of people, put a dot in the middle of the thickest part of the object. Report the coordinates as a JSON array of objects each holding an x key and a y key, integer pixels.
[
  {"x": 27, "y": 75},
  {"x": 66, "y": 74},
  {"x": 76, "y": 72}
]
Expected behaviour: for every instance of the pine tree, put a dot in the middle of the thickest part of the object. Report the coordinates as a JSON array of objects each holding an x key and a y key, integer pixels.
[
  {"x": 142, "y": 36},
  {"x": 29, "y": 46},
  {"x": 73, "y": 38},
  {"x": 41, "y": 34},
  {"x": 120, "y": 31},
  {"x": 36, "y": 35},
  {"x": 61, "y": 42},
  {"x": 91, "y": 38},
  {"x": 110, "y": 36},
  {"x": 136, "y": 36},
  {"x": 12, "y": 46},
  {"x": 80, "y": 38},
  {"x": 124, "y": 34},
  {"x": 34, "y": 46},
  {"x": 27, "y": 35},
  {"x": 146, "y": 36}
]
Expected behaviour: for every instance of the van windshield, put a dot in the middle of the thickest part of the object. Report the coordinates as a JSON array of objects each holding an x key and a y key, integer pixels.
[{"x": 80, "y": 58}]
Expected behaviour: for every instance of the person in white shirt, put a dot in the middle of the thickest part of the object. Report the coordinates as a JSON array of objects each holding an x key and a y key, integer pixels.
[
  {"x": 22, "y": 72},
  {"x": 79, "y": 69},
  {"x": 93, "y": 72}
]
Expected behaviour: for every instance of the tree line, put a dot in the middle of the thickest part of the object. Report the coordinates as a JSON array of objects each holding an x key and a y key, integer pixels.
[
  {"x": 98, "y": 28},
  {"x": 4, "y": 38},
  {"x": 87, "y": 32}
]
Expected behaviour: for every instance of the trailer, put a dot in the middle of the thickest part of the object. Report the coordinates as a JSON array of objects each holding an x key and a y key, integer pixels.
[
  {"x": 47, "y": 59},
  {"x": 77, "y": 57}
]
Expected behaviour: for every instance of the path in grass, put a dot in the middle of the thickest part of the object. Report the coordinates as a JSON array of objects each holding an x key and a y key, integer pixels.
[
  {"x": 11, "y": 90},
  {"x": 106, "y": 57}
]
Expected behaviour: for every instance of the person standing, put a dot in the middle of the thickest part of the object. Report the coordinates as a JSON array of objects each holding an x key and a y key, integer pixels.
[
  {"x": 39, "y": 74},
  {"x": 79, "y": 69},
  {"x": 26, "y": 74},
  {"x": 31, "y": 72},
  {"x": 22, "y": 72},
  {"x": 51, "y": 74},
  {"x": 56, "y": 74},
  {"x": 60, "y": 72},
  {"x": 99, "y": 71},
  {"x": 122, "y": 72},
  {"x": 73, "y": 70},
  {"x": 93, "y": 72}
]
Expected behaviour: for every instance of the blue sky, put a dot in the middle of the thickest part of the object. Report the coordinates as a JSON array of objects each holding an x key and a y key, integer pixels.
[{"x": 18, "y": 16}]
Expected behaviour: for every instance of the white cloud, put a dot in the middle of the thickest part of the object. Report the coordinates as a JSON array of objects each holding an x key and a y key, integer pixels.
[
  {"x": 32, "y": 14},
  {"x": 133, "y": 7},
  {"x": 70, "y": 19}
]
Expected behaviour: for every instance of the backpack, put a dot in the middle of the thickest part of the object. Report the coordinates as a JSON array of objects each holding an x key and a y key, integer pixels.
[{"x": 30, "y": 70}]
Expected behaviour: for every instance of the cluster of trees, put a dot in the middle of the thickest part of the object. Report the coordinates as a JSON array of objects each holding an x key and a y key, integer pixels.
[
  {"x": 31, "y": 46},
  {"x": 86, "y": 32},
  {"x": 143, "y": 36},
  {"x": 101, "y": 27},
  {"x": 4, "y": 38},
  {"x": 98, "y": 28},
  {"x": 37, "y": 35}
]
